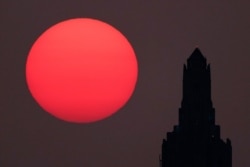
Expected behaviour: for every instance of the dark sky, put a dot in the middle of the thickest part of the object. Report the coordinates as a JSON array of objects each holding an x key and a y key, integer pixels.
[{"x": 163, "y": 34}]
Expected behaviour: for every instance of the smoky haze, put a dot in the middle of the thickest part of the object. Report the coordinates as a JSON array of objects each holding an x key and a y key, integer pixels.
[{"x": 163, "y": 35}]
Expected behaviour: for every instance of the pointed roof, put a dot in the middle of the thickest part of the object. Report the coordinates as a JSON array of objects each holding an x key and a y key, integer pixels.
[
  {"x": 196, "y": 55},
  {"x": 196, "y": 60}
]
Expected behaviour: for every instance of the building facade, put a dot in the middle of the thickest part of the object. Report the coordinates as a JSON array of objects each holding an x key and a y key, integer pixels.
[{"x": 196, "y": 141}]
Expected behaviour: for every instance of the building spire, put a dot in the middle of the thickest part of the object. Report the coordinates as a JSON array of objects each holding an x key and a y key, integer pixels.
[{"x": 195, "y": 141}]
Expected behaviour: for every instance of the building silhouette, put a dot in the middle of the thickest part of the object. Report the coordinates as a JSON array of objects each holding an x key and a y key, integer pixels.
[{"x": 195, "y": 141}]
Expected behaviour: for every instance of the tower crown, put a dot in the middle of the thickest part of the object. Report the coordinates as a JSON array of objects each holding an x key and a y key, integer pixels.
[{"x": 196, "y": 81}]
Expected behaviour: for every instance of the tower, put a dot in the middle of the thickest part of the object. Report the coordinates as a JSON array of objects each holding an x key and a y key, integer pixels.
[{"x": 195, "y": 141}]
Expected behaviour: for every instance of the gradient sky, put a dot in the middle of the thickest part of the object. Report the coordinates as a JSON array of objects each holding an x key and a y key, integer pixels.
[{"x": 163, "y": 34}]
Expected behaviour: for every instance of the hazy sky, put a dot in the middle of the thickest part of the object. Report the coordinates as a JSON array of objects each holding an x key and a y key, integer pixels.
[{"x": 163, "y": 34}]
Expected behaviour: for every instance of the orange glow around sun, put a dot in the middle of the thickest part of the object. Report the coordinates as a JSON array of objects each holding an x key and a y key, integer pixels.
[{"x": 81, "y": 70}]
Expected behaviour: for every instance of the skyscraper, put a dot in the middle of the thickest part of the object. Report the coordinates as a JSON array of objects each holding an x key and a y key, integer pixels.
[{"x": 196, "y": 141}]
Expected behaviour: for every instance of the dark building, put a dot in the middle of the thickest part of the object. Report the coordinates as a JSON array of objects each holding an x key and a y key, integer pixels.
[{"x": 196, "y": 141}]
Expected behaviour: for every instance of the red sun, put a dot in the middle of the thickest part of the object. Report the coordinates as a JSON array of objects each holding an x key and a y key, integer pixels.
[{"x": 81, "y": 70}]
